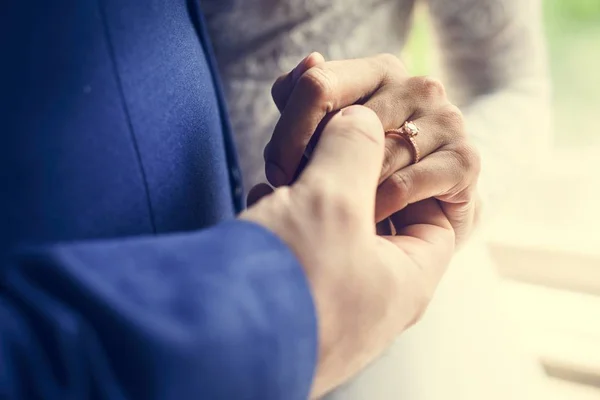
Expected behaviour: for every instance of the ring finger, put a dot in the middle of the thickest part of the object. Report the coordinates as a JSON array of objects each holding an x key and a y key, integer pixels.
[
  {"x": 441, "y": 175},
  {"x": 402, "y": 151}
]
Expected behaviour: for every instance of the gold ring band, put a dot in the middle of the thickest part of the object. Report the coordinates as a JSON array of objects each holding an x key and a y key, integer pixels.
[{"x": 409, "y": 131}]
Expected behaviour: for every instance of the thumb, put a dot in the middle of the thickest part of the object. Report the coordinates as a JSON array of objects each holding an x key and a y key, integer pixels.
[
  {"x": 283, "y": 86},
  {"x": 348, "y": 156}
]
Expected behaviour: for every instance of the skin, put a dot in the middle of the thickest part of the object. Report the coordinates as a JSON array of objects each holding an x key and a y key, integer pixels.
[
  {"x": 449, "y": 166},
  {"x": 367, "y": 287}
]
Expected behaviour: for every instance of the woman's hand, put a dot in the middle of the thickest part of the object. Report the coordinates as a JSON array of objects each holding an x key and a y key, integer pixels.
[{"x": 449, "y": 167}]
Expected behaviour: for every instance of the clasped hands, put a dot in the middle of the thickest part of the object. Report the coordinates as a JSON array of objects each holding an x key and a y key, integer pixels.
[{"x": 367, "y": 288}]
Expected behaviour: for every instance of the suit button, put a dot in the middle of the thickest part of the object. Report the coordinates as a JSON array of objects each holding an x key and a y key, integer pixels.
[
  {"x": 236, "y": 181},
  {"x": 235, "y": 174},
  {"x": 238, "y": 191}
]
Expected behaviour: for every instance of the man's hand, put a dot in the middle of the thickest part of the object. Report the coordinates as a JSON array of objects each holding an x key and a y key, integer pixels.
[
  {"x": 449, "y": 167},
  {"x": 367, "y": 288}
]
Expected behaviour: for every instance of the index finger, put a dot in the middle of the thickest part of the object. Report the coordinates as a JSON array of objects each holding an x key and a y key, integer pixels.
[
  {"x": 283, "y": 86},
  {"x": 322, "y": 89}
]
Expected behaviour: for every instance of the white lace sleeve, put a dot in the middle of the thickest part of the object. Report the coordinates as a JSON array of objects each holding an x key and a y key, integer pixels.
[{"x": 494, "y": 60}]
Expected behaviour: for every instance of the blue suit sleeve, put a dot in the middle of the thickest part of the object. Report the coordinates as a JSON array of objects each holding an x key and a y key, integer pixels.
[{"x": 224, "y": 313}]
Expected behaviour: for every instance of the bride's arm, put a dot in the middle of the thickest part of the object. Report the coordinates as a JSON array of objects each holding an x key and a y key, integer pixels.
[{"x": 494, "y": 60}]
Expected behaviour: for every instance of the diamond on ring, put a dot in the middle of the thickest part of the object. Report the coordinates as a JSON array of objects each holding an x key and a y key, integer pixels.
[{"x": 410, "y": 129}]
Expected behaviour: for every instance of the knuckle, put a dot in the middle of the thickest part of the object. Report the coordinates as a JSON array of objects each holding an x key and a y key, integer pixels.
[
  {"x": 319, "y": 195},
  {"x": 468, "y": 158},
  {"x": 345, "y": 207},
  {"x": 390, "y": 60},
  {"x": 283, "y": 195},
  {"x": 319, "y": 83},
  {"x": 451, "y": 118},
  {"x": 279, "y": 201},
  {"x": 401, "y": 183},
  {"x": 428, "y": 87},
  {"x": 392, "y": 66}
]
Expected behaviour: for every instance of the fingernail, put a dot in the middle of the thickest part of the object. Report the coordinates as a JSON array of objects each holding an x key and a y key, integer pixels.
[
  {"x": 316, "y": 57},
  {"x": 355, "y": 110},
  {"x": 275, "y": 175},
  {"x": 311, "y": 59},
  {"x": 302, "y": 65}
]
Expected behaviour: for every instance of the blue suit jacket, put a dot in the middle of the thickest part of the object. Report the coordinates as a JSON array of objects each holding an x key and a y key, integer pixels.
[{"x": 118, "y": 187}]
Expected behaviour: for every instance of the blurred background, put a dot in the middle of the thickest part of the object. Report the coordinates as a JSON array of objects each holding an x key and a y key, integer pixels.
[{"x": 545, "y": 239}]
